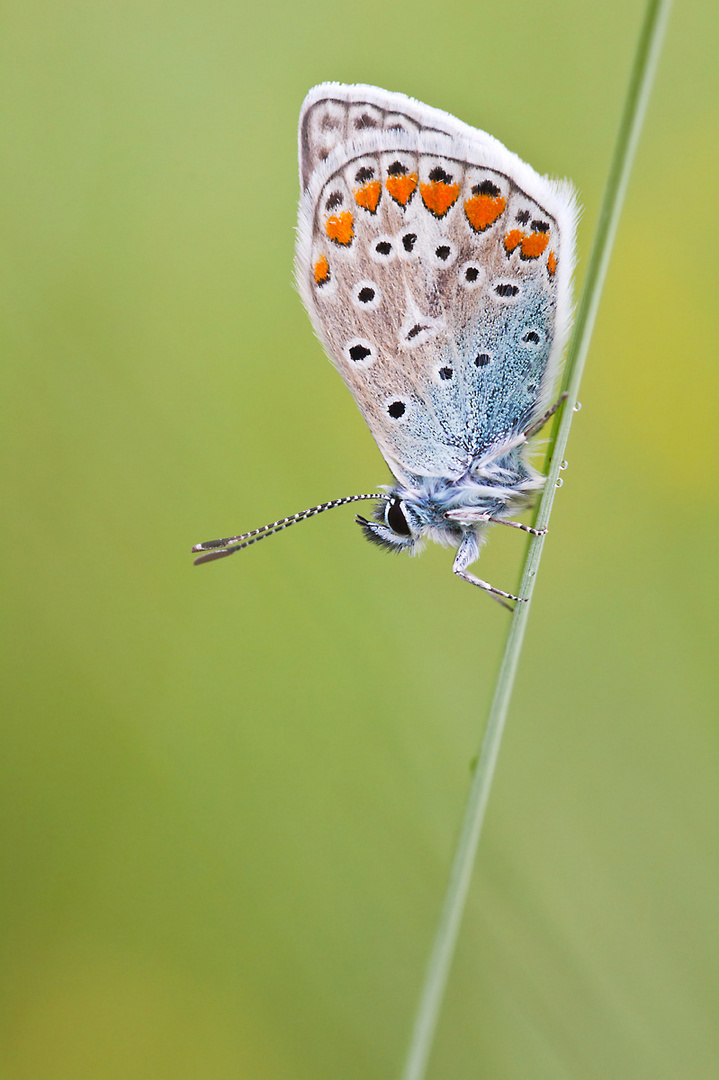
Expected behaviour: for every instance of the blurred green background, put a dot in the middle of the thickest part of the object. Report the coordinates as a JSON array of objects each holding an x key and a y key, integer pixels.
[{"x": 230, "y": 794}]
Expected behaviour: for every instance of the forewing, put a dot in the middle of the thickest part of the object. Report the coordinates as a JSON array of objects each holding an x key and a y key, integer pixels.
[{"x": 436, "y": 268}]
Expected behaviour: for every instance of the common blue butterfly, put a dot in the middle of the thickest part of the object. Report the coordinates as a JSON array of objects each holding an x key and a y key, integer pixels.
[{"x": 436, "y": 268}]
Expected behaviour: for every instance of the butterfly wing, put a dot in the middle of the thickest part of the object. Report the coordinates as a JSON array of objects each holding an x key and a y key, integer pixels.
[{"x": 436, "y": 269}]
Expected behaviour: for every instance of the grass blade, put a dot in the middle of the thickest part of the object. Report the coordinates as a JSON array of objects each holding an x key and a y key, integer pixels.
[{"x": 638, "y": 92}]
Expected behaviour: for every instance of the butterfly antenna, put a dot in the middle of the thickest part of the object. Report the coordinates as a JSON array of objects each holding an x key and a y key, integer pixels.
[{"x": 220, "y": 549}]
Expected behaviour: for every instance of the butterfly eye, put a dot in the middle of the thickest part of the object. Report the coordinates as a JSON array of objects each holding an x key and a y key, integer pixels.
[{"x": 395, "y": 518}]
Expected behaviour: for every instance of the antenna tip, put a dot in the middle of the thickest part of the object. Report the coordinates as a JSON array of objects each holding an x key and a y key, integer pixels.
[{"x": 210, "y": 556}]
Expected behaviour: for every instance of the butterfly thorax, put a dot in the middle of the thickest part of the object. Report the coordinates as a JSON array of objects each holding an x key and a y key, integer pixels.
[{"x": 445, "y": 510}]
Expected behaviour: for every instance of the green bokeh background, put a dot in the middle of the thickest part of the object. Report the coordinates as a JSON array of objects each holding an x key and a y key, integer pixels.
[{"x": 230, "y": 795}]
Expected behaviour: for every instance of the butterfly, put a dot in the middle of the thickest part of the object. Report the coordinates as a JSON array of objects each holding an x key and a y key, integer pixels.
[{"x": 436, "y": 267}]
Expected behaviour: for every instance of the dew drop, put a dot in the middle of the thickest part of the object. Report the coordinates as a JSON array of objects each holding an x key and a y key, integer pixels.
[
  {"x": 577, "y": 406},
  {"x": 559, "y": 482}
]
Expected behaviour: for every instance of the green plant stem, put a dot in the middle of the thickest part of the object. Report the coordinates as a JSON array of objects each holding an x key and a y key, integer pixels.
[{"x": 640, "y": 84}]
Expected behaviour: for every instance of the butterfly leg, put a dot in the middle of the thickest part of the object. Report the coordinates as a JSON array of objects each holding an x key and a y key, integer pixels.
[
  {"x": 517, "y": 525},
  {"x": 539, "y": 424},
  {"x": 468, "y": 552}
]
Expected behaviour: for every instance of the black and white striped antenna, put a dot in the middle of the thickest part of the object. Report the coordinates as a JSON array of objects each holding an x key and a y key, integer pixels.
[{"x": 220, "y": 549}]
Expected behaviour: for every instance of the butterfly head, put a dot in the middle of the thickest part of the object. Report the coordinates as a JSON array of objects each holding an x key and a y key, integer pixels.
[
  {"x": 406, "y": 518},
  {"x": 395, "y": 524},
  {"x": 439, "y": 510}
]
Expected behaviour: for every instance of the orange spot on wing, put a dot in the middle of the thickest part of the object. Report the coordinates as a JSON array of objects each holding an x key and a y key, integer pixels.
[
  {"x": 551, "y": 263},
  {"x": 401, "y": 188},
  {"x": 534, "y": 244},
  {"x": 483, "y": 210},
  {"x": 513, "y": 239},
  {"x": 339, "y": 228},
  {"x": 322, "y": 270},
  {"x": 368, "y": 196},
  {"x": 438, "y": 197}
]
